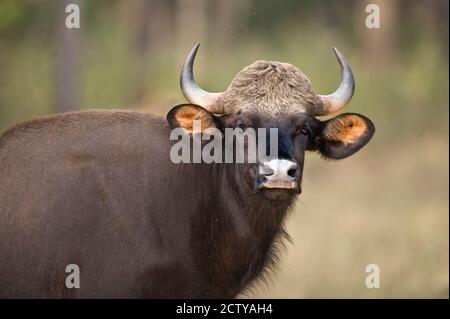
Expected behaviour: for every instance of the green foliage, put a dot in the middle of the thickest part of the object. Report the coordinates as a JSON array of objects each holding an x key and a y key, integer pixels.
[{"x": 11, "y": 14}]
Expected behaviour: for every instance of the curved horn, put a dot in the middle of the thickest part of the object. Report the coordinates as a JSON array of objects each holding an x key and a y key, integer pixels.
[
  {"x": 193, "y": 92},
  {"x": 337, "y": 100}
]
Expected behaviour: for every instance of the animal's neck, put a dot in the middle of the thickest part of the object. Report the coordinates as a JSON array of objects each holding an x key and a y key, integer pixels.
[{"x": 242, "y": 231}]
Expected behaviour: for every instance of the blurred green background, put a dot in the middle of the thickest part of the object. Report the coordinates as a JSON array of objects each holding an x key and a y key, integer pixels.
[{"x": 387, "y": 205}]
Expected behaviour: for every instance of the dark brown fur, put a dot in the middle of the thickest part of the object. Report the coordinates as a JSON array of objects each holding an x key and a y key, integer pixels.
[{"x": 98, "y": 189}]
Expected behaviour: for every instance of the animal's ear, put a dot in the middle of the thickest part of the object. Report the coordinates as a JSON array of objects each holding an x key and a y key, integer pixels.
[
  {"x": 188, "y": 115},
  {"x": 344, "y": 135}
]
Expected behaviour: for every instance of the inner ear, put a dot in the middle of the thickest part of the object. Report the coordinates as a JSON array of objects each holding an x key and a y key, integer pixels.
[
  {"x": 346, "y": 128},
  {"x": 345, "y": 134},
  {"x": 190, "y": 117}
]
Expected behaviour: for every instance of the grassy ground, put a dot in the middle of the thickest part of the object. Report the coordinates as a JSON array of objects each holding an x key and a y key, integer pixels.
[{"x": 386, "y": 205}]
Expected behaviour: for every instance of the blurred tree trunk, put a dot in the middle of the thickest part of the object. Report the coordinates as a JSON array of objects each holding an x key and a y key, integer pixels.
[
  {"x": 67, "y": 62},
  {"x": 190, "y": 24},
  {"x": 138, "y": 14},
  {"x": 378, "y": 43},
  {"x": 223, "y": 27},
  {"x": 226, "y": 20},
  {"x": 149, "y": 26}
]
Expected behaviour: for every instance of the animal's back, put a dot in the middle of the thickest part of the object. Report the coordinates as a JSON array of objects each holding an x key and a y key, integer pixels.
[{"x": 83, "y": 188}]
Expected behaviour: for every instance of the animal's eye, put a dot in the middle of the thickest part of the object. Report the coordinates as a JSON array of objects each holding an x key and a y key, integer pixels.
[
  {"x": 304, "y": 130},
  {"x": 241, "y": 125},
  {"x": 310, "y": 133}
]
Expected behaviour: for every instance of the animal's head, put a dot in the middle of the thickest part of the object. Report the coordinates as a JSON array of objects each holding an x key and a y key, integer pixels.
[{"x": 277, "y": 95}]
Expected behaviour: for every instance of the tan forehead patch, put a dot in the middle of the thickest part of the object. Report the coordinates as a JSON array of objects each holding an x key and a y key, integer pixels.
[
  {"x": 271, "y": 88},
  {"x": 347, "y": 128}
]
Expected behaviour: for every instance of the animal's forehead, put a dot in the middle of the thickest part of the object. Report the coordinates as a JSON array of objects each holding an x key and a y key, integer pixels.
[
  {"x": 268, "y": 120},
  {"x": 270, "y": 87}
]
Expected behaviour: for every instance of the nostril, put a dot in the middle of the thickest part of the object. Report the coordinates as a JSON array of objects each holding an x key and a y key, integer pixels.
[
  {"x": 292, "y": 172},
  {"x": 266, "y": 171}
]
